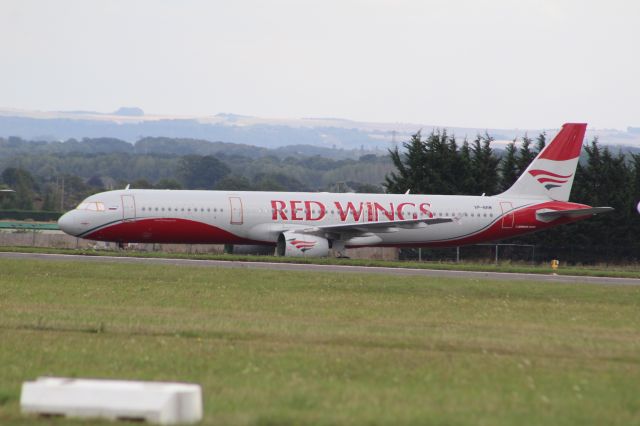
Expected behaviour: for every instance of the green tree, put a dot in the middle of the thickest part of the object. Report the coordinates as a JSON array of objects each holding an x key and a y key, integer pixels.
[
  {"x": 541, "y": 142},
  {"x": 525, "y": 155},
  {"x": 199, "y": 172},
  {"x": 277, "y": 182},
  {"x": 509, "y": 167},
  {"x": 95, "y": 181},
  {"x": 427, "y": 166},
  {"x": 484, "y": 164},
  {"x": 464, "y": 170},
  {"x": 167, "y": 184},
  {"x": 23, "y": 183},
  {"x": 51, "y": 198},
  {"x": 442, "y": 163},
  {"x": 234, "y": 183},
  {"x": 141, "y": 184},
  {"x": 75, "y": 190},
  {"x": 410, "y": 167},
  {"x": 365, "y": 188}
]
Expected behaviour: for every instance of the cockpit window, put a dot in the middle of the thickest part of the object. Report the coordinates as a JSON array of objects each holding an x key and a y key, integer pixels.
[{"x": 93, "y": 206}]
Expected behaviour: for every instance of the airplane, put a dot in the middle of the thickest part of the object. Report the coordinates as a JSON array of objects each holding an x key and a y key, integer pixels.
[{"x": 300, "y": 224}]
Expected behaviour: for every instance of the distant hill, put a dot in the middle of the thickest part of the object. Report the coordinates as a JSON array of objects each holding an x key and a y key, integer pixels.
[
  {"x": 176, "y": 147},
  {"x": 129, "y": 111},
  {"x": 131, "y": 124}
]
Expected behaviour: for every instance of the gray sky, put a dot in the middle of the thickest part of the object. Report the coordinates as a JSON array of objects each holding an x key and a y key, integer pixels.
[{"x": 492, "y": 63}]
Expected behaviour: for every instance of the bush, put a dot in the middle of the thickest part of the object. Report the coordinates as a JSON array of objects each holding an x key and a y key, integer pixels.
[{"x": 36, "y": 215}]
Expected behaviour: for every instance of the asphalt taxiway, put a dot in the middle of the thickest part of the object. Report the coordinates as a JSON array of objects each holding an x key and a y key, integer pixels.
[{"x": 327, "y": 268}]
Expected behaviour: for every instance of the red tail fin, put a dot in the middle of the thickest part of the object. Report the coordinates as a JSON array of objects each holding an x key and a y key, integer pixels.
[
  {"x": 550, "y": 175},
  {"x": 567, "y": 144}
]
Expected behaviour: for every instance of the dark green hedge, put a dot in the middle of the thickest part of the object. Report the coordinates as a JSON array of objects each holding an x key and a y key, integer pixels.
[{"x": 40, "y": 216}]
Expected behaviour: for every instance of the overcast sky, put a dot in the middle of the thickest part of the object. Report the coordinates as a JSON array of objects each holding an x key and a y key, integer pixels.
[{"x": 486, "y": 64}]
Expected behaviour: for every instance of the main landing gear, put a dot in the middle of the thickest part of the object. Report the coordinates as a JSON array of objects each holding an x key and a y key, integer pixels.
[{"x": 339, "y": 249}]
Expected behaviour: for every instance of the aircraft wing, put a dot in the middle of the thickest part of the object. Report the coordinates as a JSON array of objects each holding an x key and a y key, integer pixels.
[
  {"x": 379, "y": 227},
  {"x": 548, "y": 215}
]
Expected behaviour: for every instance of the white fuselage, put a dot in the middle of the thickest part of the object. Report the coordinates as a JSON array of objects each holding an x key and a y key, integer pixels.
[{"x": 176, "y": 216}]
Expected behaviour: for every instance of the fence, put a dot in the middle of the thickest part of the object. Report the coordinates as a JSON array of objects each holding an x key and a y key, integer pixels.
[{"x": 478, "y": 252}]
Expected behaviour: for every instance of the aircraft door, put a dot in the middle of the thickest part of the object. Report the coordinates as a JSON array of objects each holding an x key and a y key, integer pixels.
[
  {"x": 507, "y": 218},
  {"x": 128, "y": 207},
  {"x": 236, "y": 211}
]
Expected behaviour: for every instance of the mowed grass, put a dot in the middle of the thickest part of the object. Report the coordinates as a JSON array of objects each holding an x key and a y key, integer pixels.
[{"x": 274, "y": 347}]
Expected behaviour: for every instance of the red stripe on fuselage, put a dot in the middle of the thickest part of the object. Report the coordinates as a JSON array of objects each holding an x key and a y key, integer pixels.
[
  {"x": 183, "y": 231},
  {"x": 168, "y": 231},
  {"x": 525, "y": 222}
]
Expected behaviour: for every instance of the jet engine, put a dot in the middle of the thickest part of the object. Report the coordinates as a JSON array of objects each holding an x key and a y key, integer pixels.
[{"x": 292, "y": 244}]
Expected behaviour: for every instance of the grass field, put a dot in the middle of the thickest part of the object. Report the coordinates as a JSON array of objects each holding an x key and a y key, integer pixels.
[
  {"x": 273, "y": 347},
  {"x": 620, "y": 271}
]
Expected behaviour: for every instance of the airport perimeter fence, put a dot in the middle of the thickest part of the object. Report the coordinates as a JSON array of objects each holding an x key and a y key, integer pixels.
[
  {"x": 571, "y": 254},
  {"x": 481, "y": 253}
]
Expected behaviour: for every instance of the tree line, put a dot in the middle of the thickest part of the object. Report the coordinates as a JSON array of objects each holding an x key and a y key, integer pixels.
[
  {"x": 56, "y": 176},
  {"x": 437, "y": 164}
]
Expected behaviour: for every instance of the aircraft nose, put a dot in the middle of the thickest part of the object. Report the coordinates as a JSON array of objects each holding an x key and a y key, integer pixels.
[{"x": 68, "y": 224}]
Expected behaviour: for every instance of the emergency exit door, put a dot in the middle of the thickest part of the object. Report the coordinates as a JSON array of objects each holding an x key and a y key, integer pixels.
[
  {"x": 236, "y": 210},
  {"x": 128, "y": 207},
  {"x": 507, "y": 215}
]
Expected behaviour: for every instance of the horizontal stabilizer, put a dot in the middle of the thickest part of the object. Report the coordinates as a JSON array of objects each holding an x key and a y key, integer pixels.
[{"x": 548, "y": 215}]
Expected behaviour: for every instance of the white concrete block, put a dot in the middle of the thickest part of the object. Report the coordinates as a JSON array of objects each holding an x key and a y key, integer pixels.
[{"x": 155, "y": 402}]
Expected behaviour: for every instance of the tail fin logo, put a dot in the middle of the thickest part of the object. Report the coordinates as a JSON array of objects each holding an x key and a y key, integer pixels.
[
  {"x": 550, "y": 180},
  {"x": 302, "y": 245}
]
